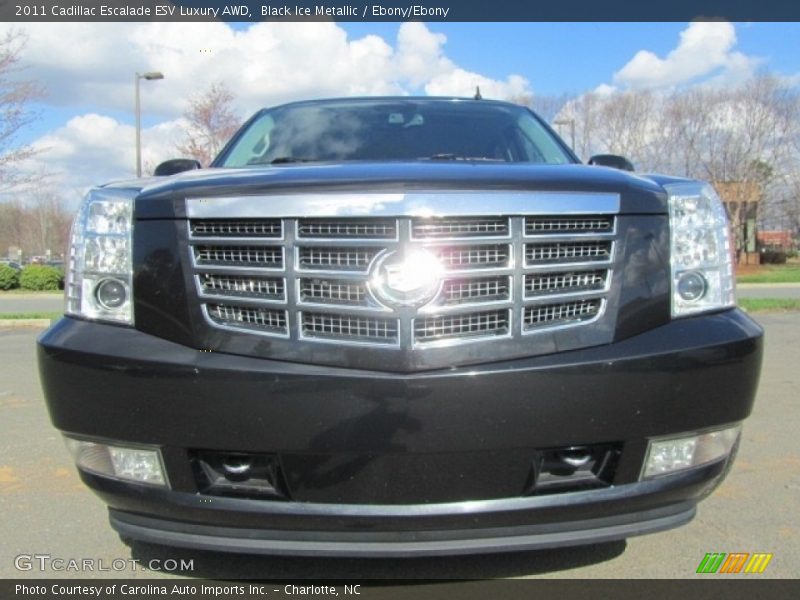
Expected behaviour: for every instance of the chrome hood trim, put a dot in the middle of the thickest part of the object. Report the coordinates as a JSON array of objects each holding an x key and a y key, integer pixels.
[{"x": 412, "y": 204}]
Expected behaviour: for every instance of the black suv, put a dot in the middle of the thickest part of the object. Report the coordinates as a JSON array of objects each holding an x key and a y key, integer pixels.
[{"x": 400, "y": 326}]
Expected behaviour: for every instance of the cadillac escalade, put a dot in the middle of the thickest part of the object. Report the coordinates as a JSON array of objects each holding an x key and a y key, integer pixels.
[{"x": 400, "y": 327}]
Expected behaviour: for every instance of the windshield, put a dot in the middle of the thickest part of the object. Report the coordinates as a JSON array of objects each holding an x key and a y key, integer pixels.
[{"x": 395, "y": 130}]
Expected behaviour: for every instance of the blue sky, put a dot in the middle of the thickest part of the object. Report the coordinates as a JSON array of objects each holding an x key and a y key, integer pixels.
[{"x": 86, "y": 119}]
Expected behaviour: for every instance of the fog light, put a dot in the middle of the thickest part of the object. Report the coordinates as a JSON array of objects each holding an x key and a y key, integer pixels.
[
  {"x": 691, "y": 286},
  {"x": 676, "y": 454},
  {"x": 142, "y": 465},
  {"x": 111, "y": 293}
]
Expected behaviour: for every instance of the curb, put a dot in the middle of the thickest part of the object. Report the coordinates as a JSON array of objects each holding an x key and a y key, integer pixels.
[
  {"x": 31, "y": 296},
  {"x": 21, "y": 323},
  {"x": 766, "y": 286}
]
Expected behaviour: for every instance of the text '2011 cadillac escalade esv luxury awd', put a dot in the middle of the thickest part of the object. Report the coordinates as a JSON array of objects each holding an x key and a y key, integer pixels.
[{"x": 396, "y": 327}]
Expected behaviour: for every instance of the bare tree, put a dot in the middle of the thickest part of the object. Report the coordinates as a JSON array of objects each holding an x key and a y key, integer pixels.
[
  {"x": 11, "y": 212},
  {"x": 740, "y": 140},
  {"x": 46, "y": 224},
  {"x": 16, "y": 96},
  {"x": 521, "y": 99},
  {"x": 39, "y": 223},
  {"x": 548, "y": 107},
  {"x": 628, "y": 125},
  {"x": 782, "y": 208},
  {"x": 212, "y": 121},
  {"x": 732, "y": 134},
  {"x": 583, "y": 113},
  {"x": 684, "y": 120}
]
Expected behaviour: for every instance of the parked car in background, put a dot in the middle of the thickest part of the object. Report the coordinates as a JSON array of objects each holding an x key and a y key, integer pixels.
[
  {"x": 10, "y": 263},
  {"x": 56, "y": 264}
]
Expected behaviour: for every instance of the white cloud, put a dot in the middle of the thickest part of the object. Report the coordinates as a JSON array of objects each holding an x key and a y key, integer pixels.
[
  {"x": 459, "y": 82},
  {"x": 93, "y": 65},
  {"x": 92, "y": 149},
  {"x": 604, "y": 89},
  {"x": 420, "y": 55},
  {"x": 705, "y": 49}
]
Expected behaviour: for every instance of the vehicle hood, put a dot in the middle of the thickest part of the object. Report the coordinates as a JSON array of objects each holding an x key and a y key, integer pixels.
[{"x": 164, "y": 197}]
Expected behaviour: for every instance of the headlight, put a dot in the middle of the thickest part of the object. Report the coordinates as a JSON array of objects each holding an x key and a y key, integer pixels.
[
  {"x": 702, "y": 266},
  {"x": 100, "y": 275}
]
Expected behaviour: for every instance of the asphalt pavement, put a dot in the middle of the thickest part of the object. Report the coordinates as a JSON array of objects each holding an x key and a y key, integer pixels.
[
  {"x": 46, "y": 510},
  {"x": 768, "y": 290},
  {"x": 28, "y": 303}
]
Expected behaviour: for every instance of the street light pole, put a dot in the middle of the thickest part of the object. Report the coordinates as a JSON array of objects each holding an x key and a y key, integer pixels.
[
  {"x": 571, "y": 123},
  {"x": 138, "y": 112},
  {"x": 152, "y": 75}
]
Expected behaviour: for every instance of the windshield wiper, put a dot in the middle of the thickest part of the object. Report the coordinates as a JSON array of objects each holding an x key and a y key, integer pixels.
[
  {"x": 282, "y": 160},
  {"x": 452, "y": 156}
]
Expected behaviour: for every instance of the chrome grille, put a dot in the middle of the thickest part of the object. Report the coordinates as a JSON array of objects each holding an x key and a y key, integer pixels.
[
  {"x": 566, "y": 312},
  {"x": 240, "y": 256},
  {"x": 492, "y": 323},
  {"x": 340, "y": 259},
  {"x": 271, "y": 228},
  {"x": 567, "y": 252},
  {"x": 313, "y": 283},
  {"x": 474, "y": 257},
  {"x": 268, "y": 320},
  {"x": 562, "y": 225},
  {"x": 324, "y": 291},
  {"x": 467, "y": 291},
  {"x": 463, "y": 227},
  {"x": 558, "y": 283},
  {"x": 347, "y": 228},
  {"x": 229, "y": 285},
  {"x": 351, "y": 328}
]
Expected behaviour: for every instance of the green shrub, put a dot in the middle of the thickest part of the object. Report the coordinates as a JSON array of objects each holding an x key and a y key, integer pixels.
[
  {"x": 9, "y": 278},
  {"x": 41, "y": 277}
]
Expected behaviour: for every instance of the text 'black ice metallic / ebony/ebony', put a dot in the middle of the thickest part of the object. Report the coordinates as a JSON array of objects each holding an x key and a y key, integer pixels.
[{"x": 400, "y": 327}]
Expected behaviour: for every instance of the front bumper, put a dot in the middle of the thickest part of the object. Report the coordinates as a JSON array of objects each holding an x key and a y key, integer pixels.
[
  {"x": 389, "y": 464},
  {"x": 477, "y": 532}
]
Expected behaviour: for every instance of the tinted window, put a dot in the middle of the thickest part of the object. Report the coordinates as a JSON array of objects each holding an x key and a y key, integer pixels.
[{"x": 395, "y": 130}]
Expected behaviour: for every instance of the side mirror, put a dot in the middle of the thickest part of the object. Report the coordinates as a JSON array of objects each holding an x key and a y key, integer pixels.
[
  {"x": 176, "y": 165},
  {"x": 612, "y": 160}
]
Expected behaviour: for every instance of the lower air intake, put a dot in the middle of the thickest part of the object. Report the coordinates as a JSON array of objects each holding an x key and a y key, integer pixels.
[
  {"x": 564, "y": 313},
  {"x": 434, "y": 329},
  {"x": 259, "y": 319},
  {"x": 348, "y": 328}
]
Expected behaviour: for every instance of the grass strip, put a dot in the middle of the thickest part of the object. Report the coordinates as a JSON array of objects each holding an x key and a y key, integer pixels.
[
  {"x": 772, "y": 274},
  {"x": 769, "y": 304}
]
